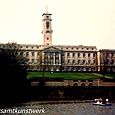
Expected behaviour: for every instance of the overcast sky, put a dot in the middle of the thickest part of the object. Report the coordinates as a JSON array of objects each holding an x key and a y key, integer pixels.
[{"x": 74, "y": 22}]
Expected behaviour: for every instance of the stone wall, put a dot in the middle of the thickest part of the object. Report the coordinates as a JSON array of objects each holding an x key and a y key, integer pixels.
[{"x": 74, "y": 83}]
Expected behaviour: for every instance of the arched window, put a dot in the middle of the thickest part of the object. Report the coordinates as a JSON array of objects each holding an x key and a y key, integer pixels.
[
  {"x": 83, "y": 84},
  {"x": 90, "y": 84},
  {"x": 75, "y": 84}
]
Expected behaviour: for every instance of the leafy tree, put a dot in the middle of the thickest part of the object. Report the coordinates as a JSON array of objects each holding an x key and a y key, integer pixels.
[{"x": 13, "y": 74}]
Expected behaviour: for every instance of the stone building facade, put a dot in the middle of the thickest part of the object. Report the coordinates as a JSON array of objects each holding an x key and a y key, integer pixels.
[
  {"x": 48, "y": 57},
  {"x": 107, "y": 60}
]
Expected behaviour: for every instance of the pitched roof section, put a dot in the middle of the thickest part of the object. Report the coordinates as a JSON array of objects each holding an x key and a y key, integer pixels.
[{"x": 51, "y": 49}]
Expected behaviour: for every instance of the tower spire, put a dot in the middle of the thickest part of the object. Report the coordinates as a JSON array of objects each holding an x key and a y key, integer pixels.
[
  {"x": 46, "y": 8},
  {"x": 47, "y": 26}
]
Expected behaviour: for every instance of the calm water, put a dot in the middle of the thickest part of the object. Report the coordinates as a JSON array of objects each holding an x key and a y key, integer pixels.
[{"x": 71, "y": 108}]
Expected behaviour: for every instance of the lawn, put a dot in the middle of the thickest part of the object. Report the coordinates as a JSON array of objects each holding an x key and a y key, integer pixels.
[
  {"x": 65, "y": 75},
  {"x": 110, "y": 75}
]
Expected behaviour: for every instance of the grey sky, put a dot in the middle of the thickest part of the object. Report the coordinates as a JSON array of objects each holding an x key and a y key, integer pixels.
[{"x": 74, "y": 22}]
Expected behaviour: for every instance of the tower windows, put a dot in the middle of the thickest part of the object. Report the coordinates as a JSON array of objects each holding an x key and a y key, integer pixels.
[
  {"x": 47, "y": 29},
  {"x": 47, "y": 25},
  {"x": 47, "y": 17}
]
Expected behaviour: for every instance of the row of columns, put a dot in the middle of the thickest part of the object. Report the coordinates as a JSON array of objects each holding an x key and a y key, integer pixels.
[{"x": 48, "y": 54}]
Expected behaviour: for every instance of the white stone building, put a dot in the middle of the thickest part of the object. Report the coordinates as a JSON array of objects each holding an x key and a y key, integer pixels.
[{"x": 49, "y": 57}]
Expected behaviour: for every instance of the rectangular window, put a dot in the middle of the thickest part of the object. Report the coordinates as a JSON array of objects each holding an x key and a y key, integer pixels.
[
  {"x": 83, "y": 62},
  {"x": 33, "y": 54},
  {"x": 73, "y": 62},
  {"x": 88, "y": 54},
  {"x": 88, "y": 61},
  {"x": 32, "y": 61},
  {"x": 112, "y": 61},
  {"x": 107, "y": 61},
  {"x": 27, "y": 61},
  {"x": 73, "y": 54},
  {"x": 78, "y": 61},
  {"x": 83, "y": 54},
  {"x": 21, "y": 53},
  {"x": 27, "y": 54},
  {"x": 38, "y": 53},
  {"x": 112, "y": 54},
  {"x": 68, "y": 54},
  {"x": 93, "y": 54},
  {"x": 78, "y": 54}
]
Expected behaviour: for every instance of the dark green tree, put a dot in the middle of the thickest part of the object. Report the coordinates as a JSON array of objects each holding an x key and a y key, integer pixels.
[{"x": 13, "y": 74}]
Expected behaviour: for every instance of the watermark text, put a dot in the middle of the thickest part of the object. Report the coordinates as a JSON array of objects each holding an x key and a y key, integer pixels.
[{"x": 16, "y": 110}]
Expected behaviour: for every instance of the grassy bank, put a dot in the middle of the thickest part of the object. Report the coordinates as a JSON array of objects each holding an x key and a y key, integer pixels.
[
  {"x": 110, "y": 75},
  {"x": 65, "y": 75}
]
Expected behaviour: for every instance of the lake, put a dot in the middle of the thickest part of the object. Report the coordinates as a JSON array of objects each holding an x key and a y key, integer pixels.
[{"x": 64, "y": 108}]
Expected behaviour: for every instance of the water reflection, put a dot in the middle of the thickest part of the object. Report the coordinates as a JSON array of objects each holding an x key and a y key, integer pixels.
[{"x": 70, "y": 108}]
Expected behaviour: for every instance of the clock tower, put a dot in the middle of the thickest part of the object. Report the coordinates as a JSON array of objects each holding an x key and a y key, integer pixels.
[{"x": 47, "y": 28}]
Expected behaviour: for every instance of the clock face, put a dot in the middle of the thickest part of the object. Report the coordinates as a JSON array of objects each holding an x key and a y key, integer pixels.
[{"x": 47, "y": 25}]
